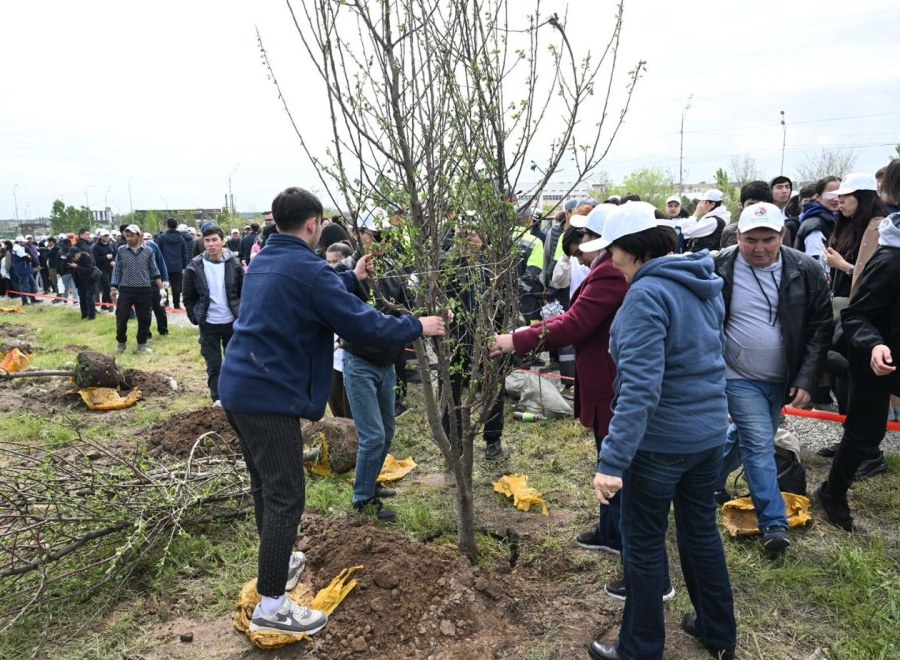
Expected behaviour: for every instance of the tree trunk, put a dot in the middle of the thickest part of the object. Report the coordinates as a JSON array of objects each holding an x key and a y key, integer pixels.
[{"x": 465, "y": 521}]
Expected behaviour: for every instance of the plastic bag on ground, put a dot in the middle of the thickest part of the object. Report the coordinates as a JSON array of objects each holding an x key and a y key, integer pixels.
[
  {"x": 12, "y": 310},
  {"x": 320, "y": 465},
  {"x": 326, "y": 600},
  {"x": 395, "y": 469},
  {"x": 524, "y": 496},
  {"x": 541, "y": 395},
  {"x": 108, "y": 398},
  {"x": 739, "y": 516},
  {"x": 16, "y": 360}
]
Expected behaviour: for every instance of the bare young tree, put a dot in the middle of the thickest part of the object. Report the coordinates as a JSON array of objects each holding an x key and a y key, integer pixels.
[
  {"x": 743, "y": 169},
  {"x": 829, "y": 162},
  {"x": 438, "y": 108}
]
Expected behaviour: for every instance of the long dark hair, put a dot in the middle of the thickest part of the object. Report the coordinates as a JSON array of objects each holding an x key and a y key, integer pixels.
[
  {"x": 848, "y": 232},
  {"x": 890, "y": 183}
]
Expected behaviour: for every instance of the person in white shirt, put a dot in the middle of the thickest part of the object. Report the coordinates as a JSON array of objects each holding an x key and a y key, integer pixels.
[{"x": 212, "y": 292}]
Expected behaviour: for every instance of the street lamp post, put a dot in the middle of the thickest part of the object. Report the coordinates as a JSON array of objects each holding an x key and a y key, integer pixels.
[
  {"x": 16, "y": 202},
  {"x": 130, "y": 202},
  {"x": 783, "y": 141},
  {"x": 230, "y": 196},
  {"x": 687, "y": 107},
  {"x": 88, "y": 202}
]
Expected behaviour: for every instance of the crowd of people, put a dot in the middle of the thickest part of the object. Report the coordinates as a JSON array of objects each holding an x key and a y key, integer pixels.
[{"x": 683, "y": 336}]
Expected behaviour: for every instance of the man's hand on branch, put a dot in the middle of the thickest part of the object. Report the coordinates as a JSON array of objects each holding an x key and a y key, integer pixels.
[
  {"x": 363, "y": 267},
  {"x": 432, "y": 326}
]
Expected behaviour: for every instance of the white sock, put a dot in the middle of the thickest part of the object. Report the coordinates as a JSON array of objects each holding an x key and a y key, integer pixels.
[
  {"x": 268, "y": 606},
  {"x": 292, "y": 562}
]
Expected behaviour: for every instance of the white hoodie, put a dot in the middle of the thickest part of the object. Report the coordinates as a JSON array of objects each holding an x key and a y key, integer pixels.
[
  {"x": 693, "y": 228},
  {"x": 889, "y": 231}
]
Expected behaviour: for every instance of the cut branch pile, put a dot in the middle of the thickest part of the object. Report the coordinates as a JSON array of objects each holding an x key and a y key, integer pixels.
[{"x": 78, "y": 517}]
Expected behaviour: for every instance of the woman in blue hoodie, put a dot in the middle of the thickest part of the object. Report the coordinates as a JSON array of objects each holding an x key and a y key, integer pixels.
[{"x": 665, "y": 439}]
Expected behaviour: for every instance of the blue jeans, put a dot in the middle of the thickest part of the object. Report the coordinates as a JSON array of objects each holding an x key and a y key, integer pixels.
[
  {"x": 650, "y": 485},
  {"x": 607, "y": 526},
  {"x": 23, "y": 286},
  {"x": 370, "y": 391},
  {"x": 755, "y": 408}
]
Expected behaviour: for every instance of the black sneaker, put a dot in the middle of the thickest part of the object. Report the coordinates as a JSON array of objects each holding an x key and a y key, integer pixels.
[
  {"x": 374, "y": 507},
  {"x": 400, "y": 409},
  {"x": 290, "y": 618},
  {"x": 829, "y": 451},
  {"x": 493, "y": 451},
  {"x": 723, "y": 496},
  {"x": 689, "y": 625},
  {"x": 836, "y": 509},
  {"x": 593, "y": 541},
  {"x": 382, "y": 492},
  {"x": 616, "y": 590},
  {"x": 775, "y": 539},
  {"x": 871, "y": 467}
]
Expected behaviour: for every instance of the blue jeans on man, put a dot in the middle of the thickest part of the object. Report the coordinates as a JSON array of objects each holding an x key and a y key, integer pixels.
[
  {"x": 370, "y": 391},
  {"x": 650, "y": 486},
  {"x": 755, "y": 409}
]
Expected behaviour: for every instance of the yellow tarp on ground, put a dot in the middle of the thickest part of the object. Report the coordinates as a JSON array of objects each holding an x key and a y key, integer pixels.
[
  {"x": 16, "y": 360},
  {"x": 108, "y": 398},
  {"x": 739, "y": 516},
  {"x": 395, "y": 469},
  {"x": 12, "y": 310},
  {"x": 320, "y": 465},
  {"x": 326, "y": 600},
  {"x": 524, "y": 496}
]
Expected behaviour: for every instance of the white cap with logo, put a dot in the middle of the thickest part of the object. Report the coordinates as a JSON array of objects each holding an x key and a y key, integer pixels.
[
  {"x": 594, "y": 220},
  {"x": 712, "y": 195},
  {"x": 761, "y": 216},
  {"x": 854, "y": 182}
]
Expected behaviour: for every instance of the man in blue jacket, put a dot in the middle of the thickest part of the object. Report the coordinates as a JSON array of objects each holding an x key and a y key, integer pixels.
[{"x": 277, "y": 369}]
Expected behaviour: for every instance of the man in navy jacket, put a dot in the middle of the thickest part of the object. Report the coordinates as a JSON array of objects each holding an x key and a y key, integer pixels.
[{"x": 277, "y": 369}]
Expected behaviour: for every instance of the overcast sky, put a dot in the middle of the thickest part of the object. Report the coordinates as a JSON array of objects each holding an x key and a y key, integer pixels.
[{"x": 172, "y": 96}]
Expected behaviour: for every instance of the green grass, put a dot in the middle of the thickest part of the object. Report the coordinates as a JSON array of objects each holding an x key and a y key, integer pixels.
[{"x": 832, "y": 590}]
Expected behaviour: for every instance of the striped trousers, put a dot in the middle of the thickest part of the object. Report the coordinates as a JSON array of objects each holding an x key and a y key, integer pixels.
[{"x": 273, "y": 450}]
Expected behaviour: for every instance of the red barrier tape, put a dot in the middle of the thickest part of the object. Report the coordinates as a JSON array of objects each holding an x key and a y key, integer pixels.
[
  {"x": 72, "y": 300},
  {"x": 829, "y": 416}
]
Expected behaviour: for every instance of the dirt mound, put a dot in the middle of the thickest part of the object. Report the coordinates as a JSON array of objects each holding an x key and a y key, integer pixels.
[
  {"x": 15, "y": 336},
  {"x": 151, "y": 383},
  {"x": 12, "y": 330},
  {"x": 178, "y": 434},
  {"x": 418, "y": 601},
  {"x": 76, "y": 347}
]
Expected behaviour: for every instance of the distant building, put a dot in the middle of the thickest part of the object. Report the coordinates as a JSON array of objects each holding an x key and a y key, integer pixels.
[
  {"x": 557, "y": 192},
  {"x": 104, "y": 217}
]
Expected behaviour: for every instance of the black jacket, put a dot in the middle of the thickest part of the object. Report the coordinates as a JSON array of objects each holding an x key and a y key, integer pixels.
[
  {"x": 873, "y": 316},
  {"x": 709, "y": 242},
  {"x": 53, "y": 258},
  {"x": 195, "y": 289},
  {"x": 392, "y": 289},
  {"x": 174, "y": 250},
  {"x": 247, "y": 243},
  {"x": 83, "y": 272},
  {"x": 804, "y": 307},
  {"x": 104, "y": 255},
  {"x": 234, "y": 244},
  {"x": 820, "y": 221}
]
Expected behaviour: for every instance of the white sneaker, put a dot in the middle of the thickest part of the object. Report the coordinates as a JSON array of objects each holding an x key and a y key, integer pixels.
[
  {"x": 218, "y": 404},
  {"x": 290, "y": 618},
  {"x": 295, "y": 568}
]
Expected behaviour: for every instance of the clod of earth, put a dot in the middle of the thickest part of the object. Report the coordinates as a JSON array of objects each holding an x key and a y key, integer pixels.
[{"x": 342, "y": 439}]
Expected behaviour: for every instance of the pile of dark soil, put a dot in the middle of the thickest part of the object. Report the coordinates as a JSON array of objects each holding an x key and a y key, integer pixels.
[
  {"x": 15, "y": 336},
  {"x": 419, "y": 601},
  {"x": 151, "y": 383},
  {"x": 178, "y": 434}
]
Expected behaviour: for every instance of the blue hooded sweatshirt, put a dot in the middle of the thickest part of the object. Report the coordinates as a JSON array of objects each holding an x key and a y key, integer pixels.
[
  {"x": 668, "y": 341},
  {"x": 280, "y": 358}
]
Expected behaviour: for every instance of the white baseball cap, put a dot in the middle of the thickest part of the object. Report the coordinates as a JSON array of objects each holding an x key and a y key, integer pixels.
[
  {"x": 19, "y": 239},
  {"x": 104, "y": 232},
  {"x": 594, "y": 220},
  {"x": 674, "y": 198},
  {"x": 374, "y": 220},
  {"x": 134, "y": 229},
  {"x": 623, "y": 220},
  {"x": 855, "y": 181},
  {"x": 762, "y": 215},
  {"x": 712, "y": 195}
]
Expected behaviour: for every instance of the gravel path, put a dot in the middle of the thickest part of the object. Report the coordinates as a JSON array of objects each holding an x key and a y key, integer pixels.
[{"x": 814, "y": 434}]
